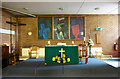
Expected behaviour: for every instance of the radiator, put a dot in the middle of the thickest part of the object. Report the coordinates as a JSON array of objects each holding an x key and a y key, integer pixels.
[
  {"x": 94, "y": 50},
  {"x": 41, "y": 52}
]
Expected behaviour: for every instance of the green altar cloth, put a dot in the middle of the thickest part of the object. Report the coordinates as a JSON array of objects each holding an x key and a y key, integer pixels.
[{"x": 61, "y": 55}]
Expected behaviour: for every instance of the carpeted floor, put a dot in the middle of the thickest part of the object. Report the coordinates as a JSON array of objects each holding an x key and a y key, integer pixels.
[
  {"x": 36, "y": 67},
  {"x": 113, "y": 62}
]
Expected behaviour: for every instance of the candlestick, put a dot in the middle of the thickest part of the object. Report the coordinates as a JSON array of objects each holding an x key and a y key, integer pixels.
[
  {"x": 84, "y": 40},
  {"x": 48, "y": 42},
  {"x": 72, "y": 42}
]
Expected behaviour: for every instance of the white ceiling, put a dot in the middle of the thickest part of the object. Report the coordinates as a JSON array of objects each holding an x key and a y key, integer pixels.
[
  {"x": 59, "y": 0},
  {"x": 69, "y": 7}
]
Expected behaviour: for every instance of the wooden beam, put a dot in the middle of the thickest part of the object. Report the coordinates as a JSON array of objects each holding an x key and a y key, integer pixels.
[
  {"x": 17, "y": 25},
  {"x": 14, "y": 23},
  {"x": 9, "y": 9}
]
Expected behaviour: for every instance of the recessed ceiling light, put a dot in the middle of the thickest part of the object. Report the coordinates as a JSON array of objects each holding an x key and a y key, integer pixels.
[
  {"x": 61, "y": 9},
  {"x": 25, "y": 8},
  {"x": 97, "y": 8}
]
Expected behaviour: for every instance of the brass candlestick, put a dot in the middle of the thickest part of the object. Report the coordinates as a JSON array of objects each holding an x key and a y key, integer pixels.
[
  {"x": 48, "y": 43},
  {"x": 72, "y": 43}
]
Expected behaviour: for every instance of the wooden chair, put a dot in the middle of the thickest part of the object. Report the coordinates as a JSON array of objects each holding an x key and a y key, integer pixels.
[
  {"x": 83, "y": 52},
  {"x": 33, "y": 50},
  {"x": 101, "y": 54},
  {"x": 12, "y": 59}
]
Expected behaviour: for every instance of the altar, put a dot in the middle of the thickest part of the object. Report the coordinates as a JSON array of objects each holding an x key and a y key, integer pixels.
[{"x": 61, "y": 55}]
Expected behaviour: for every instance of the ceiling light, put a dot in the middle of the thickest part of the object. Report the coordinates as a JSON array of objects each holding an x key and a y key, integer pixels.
[
  {"x": 25, "y": 8},
  {"x": 61, "y": 9},
  {"x": 97, "y": 8}
]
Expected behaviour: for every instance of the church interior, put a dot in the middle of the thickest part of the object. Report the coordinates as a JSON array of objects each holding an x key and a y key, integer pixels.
[{"x": 60, "y": 39}]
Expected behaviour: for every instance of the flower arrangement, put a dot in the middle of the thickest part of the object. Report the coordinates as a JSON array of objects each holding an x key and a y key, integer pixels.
[{"x": 90, "y": 42}]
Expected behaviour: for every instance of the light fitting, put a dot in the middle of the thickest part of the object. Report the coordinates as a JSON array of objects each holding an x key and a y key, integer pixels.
[
  {"x": 96, "y": 8},
  {"x": 25, "y": 8},
  {"x": 61, "y": 9},
  {"x": 29, "y": 33}
]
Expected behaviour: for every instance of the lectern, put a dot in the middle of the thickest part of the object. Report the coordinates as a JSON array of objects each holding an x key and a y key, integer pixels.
[{"x": 83, "y": 52}]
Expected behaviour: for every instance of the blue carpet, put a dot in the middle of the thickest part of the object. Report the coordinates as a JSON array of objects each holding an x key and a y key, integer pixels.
[{"x": 36, "y": 67}]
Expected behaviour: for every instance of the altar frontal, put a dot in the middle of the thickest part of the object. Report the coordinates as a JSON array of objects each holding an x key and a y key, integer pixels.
[{"x": 61, "y": 55}]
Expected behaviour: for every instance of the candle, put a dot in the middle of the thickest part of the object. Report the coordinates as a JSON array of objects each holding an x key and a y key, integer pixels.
[
  {"x": 72, "y": 42},
  {"x": 48, "y": 42},
  {"x": 84, "y": 38}
]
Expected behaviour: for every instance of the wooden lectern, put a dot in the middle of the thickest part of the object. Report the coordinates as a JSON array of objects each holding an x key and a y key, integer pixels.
[{"x": 83, "y": 52}]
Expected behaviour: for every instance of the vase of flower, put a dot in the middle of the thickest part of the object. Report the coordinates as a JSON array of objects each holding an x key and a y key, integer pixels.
[{"x": 90, "y": 44}]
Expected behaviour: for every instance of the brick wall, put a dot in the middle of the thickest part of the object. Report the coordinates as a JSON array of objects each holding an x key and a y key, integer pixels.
[
  {"x": 7, "y": 38},
  {"x": 119, "y": 35},
  {"x": 109, "y": 34}
]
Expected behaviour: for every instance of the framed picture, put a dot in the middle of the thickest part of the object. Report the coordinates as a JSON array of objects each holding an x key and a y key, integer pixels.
[
  {"x": 77, "y": 30},
  {"x": 60, "y": 27},
  {"x": 44, "y": 27}
]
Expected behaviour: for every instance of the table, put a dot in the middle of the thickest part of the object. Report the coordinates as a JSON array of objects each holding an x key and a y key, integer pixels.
[{"x": 61, "y": 55}]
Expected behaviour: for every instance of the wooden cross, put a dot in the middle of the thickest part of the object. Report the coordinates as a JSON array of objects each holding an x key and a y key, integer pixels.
[
  {"x": 61, "y": 52},
  {"x": 16, "y": 24}
]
